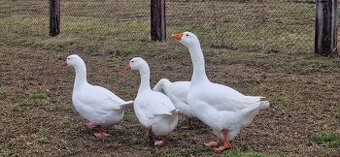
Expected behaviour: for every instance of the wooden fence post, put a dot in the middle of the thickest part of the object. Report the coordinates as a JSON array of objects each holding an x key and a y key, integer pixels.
[
  {"x": 54, "y": 17},
  {"x": 326, "y": 28},
  {"x": 158, "y": 26}
]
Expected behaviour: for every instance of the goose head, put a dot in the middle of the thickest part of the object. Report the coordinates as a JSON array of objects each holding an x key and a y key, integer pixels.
[
  {"x": 188, "y": 39},
  {"x": 74, "y": 61},
  {"x": 138, "y": 63}
]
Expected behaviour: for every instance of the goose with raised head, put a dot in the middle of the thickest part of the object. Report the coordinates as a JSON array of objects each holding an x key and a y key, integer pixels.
[
  {"x": 177, "y": 92},
  {"x": 154, "y": 110},
  {"x": 95, "y": 103},
  {"x": 222, "y": 108}
]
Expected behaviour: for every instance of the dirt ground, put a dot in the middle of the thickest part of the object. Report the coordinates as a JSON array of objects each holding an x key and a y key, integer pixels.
[
  {"x": 309, "y": 106},
  {"x": 36, "y": 112}
]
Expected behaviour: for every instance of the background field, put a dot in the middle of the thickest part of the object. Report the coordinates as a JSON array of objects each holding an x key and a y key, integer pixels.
[{"x": 259, "y": 47}]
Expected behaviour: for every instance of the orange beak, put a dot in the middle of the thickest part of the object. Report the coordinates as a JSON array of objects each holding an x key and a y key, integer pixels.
[
  {"x": 128, "y": 66},
  {"x": 177, "y": 36}
]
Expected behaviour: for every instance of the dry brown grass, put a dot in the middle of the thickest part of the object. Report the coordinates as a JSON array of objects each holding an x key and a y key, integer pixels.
[{"x": 264, "y": 50}]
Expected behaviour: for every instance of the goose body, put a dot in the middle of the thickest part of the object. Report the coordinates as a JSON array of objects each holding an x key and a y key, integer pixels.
[
  {"x": 177, "y": 92},
  {"x": 95, "y": 103},
  {"x": 222, "y": 108},
  {"x": 154, "y": 110},
  {"x": 98, "y": 105}
]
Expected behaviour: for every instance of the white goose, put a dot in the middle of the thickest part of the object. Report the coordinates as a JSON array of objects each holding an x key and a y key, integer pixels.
[
  {"x": 222, "y": 108},
  {"x": 154, "y": 110},
  {"x": 177, "y": 92},
  {"x": 96, "y": 104}
]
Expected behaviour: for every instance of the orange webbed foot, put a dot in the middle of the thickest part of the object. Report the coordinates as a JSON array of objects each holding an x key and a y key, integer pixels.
[
  {"x": 220, "y": 149},
  {"x": 101, "y": 134},
  {"x": 159, "y": 143},
  {"x": 212, "y": 143}
]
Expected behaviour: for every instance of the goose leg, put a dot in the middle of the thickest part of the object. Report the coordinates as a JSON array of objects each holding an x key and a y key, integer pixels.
[
  {"x": 226, "y": 143},
  {"x": 152, "y": 140},
  {"x": 91, "y": 125}
]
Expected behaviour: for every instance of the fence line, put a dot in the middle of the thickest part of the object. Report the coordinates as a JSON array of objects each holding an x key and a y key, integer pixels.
[{"x": 267, "y": 26}]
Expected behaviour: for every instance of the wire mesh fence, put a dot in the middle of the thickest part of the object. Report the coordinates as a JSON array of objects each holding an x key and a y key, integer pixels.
[{"x": 250, "y": 25}]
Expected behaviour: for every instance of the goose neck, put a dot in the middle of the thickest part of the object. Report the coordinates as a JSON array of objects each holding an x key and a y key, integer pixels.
[
  {"x": 197, "y": 59},
  {"x": 145, "y": 80},
  {"x": 80, "y": 76}
]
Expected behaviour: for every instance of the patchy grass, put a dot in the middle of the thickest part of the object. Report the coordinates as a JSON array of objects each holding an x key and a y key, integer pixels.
[
  {"x": 257, "y": 47},
  {"x": 3, "y": 93},
  {"x": 190, "y": 151},
  {"x": 284, "y": 102},
  {"x": 337, "y": 113},
  {"x": 36, "y": 95},
  {"x": 330, "y": 140},
  {"x": 238, "y": 153},
  {"x": 200, "y": 150}
]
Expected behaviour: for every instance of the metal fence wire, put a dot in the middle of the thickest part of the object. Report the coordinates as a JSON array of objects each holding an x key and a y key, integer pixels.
[{"x": 250, "y": 25}]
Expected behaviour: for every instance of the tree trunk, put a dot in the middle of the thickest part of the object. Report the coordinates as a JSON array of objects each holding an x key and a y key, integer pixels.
[
  {"x": 158, "y": 30},
  {"x": 54, "y": 17},
  {"x": 326, "y": 28}
]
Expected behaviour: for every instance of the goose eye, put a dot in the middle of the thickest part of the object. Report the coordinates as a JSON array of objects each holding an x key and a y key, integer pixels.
[
  {"x": 132, "y": 61},
  {"x": 187, "y": 35}
]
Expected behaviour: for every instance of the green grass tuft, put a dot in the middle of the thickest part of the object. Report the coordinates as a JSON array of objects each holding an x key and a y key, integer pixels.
[
  {"x": 337, "y": 114},
  {"x": 131, "y": 119},
  {"x": 42, "y": 140},
  {"x": 191, "y": 150},
  {"x": 38, "y": 96},
  {"x": 331, "y": 140},
  {"x": 194, "y": 150},
  {"x": 238, "y": 153},
  {"x": 2, "y": 93},
  {"x": 184, "y": 135},
  {"x": 285, "y": 102},
  {"x": 124, "y": 51}
]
